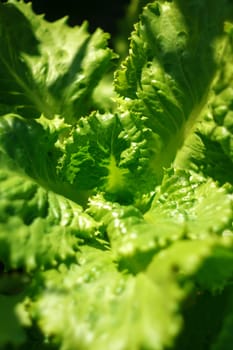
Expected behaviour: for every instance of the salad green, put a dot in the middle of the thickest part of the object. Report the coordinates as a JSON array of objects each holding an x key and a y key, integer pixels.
[{"x": 116, "y": 192}]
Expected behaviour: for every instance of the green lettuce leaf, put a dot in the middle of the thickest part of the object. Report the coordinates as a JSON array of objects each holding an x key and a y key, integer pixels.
[
  {"x": 114, "y": 292},
  {"x": 35, "y": 147},
  {"x": 48, "y": 68},
  {"x": 109, "y": 153},
  {"x": 185, "y": 206},
  {"x": 37, "y": 226},
  {"x": 116, "y": 225},
  {"x": 175, "y": 55},
  {"x": 149, "y": 303},
  {"x": 197, "y": 204},
  {"x": 209, "y": 149}
]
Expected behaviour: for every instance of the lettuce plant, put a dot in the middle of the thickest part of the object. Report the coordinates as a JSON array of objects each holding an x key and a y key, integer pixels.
[{"x": 116, "y": 193}]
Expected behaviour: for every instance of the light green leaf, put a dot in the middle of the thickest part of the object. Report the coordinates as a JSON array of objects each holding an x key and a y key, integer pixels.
[
  {"x": 155, "y": 230},
  {"x": 109, "y": 153},
  {"x": 31, "y": 145},
  {"x": 192, "y": 202},
  {"x": 174, "y": 59},
  {"x": 104, "y": 308},
  {"x": 207, "y": 261},
  {"x": 35, "y": 148},
  {"x": 133, "y": 239},
  {"x": 48, "y": 68},
  {"x": 38, "y": 228},
  {"x": 185, "y": 206}
]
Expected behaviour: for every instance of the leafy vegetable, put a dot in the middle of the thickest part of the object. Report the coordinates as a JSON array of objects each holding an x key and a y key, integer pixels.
[{"x": 116, "y": 194}]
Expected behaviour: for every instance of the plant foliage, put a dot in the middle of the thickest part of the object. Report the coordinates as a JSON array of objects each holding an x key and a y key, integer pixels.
[{"x": 116, "y": 194}]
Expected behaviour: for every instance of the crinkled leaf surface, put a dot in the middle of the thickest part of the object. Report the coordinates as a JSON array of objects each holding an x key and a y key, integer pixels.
[
  {"x": 129, "y": 298},
  {"x": 38, "y": 227},
  {"x": 148, "y": 303},
  {"x": 36, "y": 147},
  {"x": 176, "y": 53},
  {"x": 110, "y": 153},
  {"x": 189, "y": 200},
  {"x": 185, "y": 206},
  {"x": 48, "y": 68},
  {"x": 120, "y": 272},
  {"x": 209, "y": 149}
]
